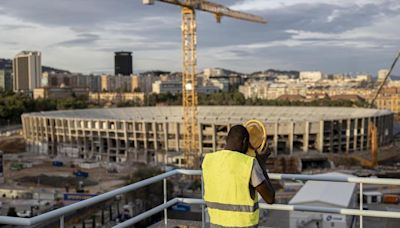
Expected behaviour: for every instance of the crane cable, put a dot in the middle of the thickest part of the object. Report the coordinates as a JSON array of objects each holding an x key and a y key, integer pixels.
[{"x": 384, "y": 81}]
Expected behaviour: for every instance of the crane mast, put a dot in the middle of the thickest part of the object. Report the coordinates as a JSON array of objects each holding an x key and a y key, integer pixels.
[
  {"x": 189, "y": 65},
  {"x": 189, "y": 87}
]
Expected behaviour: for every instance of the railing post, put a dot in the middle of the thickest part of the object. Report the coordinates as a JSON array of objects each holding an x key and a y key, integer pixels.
[
  {"x": 102, "y": 216},
  {"x": 62, "y": 221},
  {"x": 361, "y": 204},
  {"x": 110, "y": 210},
  {"x": 165, "y": 201},
  {"x": 93, "y": 220},
  {"x": 203, "y": 215}
]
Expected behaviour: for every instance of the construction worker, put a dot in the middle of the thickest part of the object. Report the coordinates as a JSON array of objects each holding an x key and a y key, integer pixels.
[{"x": 231, "y": 179}]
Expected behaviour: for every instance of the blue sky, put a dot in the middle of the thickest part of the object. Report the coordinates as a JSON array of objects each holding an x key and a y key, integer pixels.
[{"x": 337, "y": 36}]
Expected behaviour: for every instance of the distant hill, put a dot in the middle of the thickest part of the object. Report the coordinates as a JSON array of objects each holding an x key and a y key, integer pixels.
[
  {"x": 8, "y": 63},
  {"x": 274, "y": 72},
  {"x": 51, "y": 69},
  {"x": 154, "y": 72},
  {"x": 225, "y": 71}
]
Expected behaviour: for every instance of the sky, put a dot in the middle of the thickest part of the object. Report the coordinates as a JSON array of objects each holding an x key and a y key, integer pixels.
[{"x": 336, "y": 36}]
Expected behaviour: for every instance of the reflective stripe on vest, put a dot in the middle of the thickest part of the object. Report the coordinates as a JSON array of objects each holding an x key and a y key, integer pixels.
[
  {"x": 219, "y": 226},
  {"x": 229, "y": 207},
  {"x": 227, "y": 177}
]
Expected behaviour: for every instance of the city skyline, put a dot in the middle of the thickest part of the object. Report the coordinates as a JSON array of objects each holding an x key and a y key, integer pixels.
[{"x": 335, "y": 37}]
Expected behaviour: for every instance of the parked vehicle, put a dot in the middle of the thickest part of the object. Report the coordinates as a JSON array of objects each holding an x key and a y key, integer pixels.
[
  {"x": 79, "y": 173},
  {"x": 181, "y": 207},
  {"x": 58, "y": 163}
]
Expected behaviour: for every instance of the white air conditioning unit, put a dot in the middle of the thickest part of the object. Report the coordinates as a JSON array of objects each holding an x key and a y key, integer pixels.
[{"x": 148, "y": 2}]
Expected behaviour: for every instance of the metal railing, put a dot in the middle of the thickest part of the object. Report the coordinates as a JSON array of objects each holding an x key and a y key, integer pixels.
[{"x": 64, "y": 211}]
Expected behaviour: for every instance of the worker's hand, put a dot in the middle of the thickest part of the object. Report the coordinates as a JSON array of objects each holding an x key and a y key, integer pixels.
[
  {"x": 263, "y": 156},
  {"x": 266, "y": 151}
]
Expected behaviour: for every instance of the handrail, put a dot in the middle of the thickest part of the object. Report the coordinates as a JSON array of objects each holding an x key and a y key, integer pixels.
[
  {"x": 349, "y": 179},
  {"x": 280, "y": 207},
  {"x": 302, "y": 177},
  {"x": 85, "y": 203},
  {"x": 146, "y": 214},
  {"x": 58, "y": 213},
  {"x": 334, "y": 210}
]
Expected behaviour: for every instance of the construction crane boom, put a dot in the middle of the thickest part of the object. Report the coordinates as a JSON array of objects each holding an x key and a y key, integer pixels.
[
  {"x": 217, "y": 9},
  {"x": 189, "y": 65}
]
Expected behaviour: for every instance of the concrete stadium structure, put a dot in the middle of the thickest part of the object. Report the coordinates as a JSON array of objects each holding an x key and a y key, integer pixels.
[{"x": 151, "y": 134}]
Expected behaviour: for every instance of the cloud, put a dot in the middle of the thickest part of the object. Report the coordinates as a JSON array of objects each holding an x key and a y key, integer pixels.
[
  {"x": 84, "y": 39},
  {"x": 8, "y": 27},
  {"x": 10, "y": 43},
  {"x": 77, "y": 13},
  {"x": 301, "y": 34},
  {"x": 260, "y": 5}
]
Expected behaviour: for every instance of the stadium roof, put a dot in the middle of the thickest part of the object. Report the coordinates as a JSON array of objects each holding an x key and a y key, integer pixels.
[
  {"x": 331, "y": 193},
  {"x": 219, "y": 113}
]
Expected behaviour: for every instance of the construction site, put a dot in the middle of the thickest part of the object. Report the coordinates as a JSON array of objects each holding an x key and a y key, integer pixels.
[
  {"x": 50, "y": 181},
  {"x": 77, "y": 163}
]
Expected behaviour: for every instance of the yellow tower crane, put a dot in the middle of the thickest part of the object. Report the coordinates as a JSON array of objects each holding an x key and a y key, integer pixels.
[{"x": 189, "y": 65}]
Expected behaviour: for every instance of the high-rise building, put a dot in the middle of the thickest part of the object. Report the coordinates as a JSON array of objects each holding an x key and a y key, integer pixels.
[
  {"x": 27, "y": 68},
  {"x": 6, "y": 80},
  {"x": 123, "y": 63},
  {"x": 135, "y": 83},
  {"x": 116, "y": 83},
  {"x": 311, "y": 76},
  {"x": 382, "y": 74}
]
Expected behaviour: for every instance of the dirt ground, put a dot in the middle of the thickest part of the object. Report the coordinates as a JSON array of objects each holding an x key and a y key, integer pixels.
[
  {"x": 45, "y": 175},
  {"x": 12, "y": 144},
  {"x": 388, "y": 155},
  {"x": 54, "y": 181}
]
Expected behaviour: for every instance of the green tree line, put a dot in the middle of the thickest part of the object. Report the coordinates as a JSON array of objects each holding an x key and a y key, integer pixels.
[
  {"x": 13, "y": 105},
  {"x": 237, "y": 98}
]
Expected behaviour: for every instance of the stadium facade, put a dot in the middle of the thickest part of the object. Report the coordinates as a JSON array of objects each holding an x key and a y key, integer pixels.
[{"x": 148, "y": 134}]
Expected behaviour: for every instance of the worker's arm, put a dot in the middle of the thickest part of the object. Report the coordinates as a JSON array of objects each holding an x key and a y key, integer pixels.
[{"x": 265, "y": 189}]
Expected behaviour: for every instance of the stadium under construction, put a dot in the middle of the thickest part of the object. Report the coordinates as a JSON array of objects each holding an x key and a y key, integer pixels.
[{"x": 153, "y": 134}]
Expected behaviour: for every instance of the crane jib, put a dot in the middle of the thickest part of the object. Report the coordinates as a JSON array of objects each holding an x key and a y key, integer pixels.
[{"x": 213, "y": 8}]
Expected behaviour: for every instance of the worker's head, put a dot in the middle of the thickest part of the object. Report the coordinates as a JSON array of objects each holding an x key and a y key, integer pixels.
[{"x": 238, "y": 139}]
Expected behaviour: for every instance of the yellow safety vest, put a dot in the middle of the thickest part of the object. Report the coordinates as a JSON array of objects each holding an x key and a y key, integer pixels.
[{"x": 226, "y": 177}]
